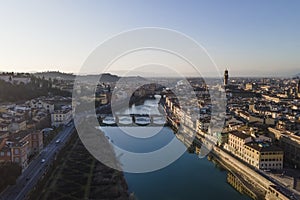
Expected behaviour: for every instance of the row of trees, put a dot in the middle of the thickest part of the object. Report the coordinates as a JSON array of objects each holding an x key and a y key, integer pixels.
[
  {"x": 15, "y": 73},
  {"x": 10, "y": 92}
]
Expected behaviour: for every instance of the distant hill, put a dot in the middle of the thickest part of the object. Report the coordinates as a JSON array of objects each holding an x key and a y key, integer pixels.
[
  {"x": 55, "y": 75},
  {"x": 106, "y": 77}
]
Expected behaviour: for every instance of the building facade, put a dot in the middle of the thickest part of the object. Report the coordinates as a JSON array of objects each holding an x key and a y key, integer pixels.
[
  {"x": 61, "y": 117},
  {"x": 257, "y": 151}
]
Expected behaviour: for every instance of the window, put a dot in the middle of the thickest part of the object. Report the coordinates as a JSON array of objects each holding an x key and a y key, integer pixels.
[{"x": 16, "y": 151}]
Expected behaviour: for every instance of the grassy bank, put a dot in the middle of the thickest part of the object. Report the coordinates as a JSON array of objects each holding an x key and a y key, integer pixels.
[{"x": 76, "y": 174}]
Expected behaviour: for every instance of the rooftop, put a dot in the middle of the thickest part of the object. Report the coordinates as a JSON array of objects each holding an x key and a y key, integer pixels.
[
  {"x": 263, "y": 147},
  {"x": 239, "y": 134}
]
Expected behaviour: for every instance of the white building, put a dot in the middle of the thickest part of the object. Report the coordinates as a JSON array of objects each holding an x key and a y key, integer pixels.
[
  {"x": 61, "y": 117},
  {"x": 39, "y": 104},
  {"x": 17, "y": 80}
]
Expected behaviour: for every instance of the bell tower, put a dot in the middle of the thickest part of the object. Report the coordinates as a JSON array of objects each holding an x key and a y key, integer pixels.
[{"x": 226, "y": 77}]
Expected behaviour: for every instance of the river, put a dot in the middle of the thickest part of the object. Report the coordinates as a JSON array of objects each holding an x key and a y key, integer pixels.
[{"x": 189, "y": 177}]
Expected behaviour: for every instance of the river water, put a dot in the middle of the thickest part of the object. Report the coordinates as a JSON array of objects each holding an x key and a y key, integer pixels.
[{"x": 189, "y": 177}]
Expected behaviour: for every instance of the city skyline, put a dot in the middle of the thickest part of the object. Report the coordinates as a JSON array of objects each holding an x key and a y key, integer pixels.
[
  {"x": 250, "y": 39},
  {"x": 146, "y": 100}
]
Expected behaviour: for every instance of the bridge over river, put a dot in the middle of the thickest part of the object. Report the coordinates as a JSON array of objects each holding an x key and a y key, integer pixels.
[{"x": 132, "y": 120}]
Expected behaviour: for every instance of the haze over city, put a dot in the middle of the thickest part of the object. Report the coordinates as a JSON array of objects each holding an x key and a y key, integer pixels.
[{"x": 257, "y": 38}]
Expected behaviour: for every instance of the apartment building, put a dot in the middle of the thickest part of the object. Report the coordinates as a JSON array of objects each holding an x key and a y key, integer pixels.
[
  {"x": 290, "y": 143},
  {"x": 36, "y": 141},
  {"x": 17, "y": 147},
  {"x": 236, "y": 142},
  {"x": 61, "y": 117},
  {"x": 257, "y": 151},
  {"x": 20, "y": 145},
  {"x": 39, "y": 104},
  {"x": 263, "y": 155}
]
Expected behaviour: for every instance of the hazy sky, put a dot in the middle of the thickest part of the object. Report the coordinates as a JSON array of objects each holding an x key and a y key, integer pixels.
[{"x": 248, "y": 37}]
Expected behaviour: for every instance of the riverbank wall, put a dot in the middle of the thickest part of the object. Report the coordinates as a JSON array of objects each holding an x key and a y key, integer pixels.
[
  {"x": 249, "y": 175},
  {"x": 264, "y": 187}
]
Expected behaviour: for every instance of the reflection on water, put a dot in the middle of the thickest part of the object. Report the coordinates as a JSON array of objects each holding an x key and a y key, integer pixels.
[
  {"x": 140, "y": 144},
  {"x": 149, "y": 107},
  {"x": 187, "y": 178},
  {"x": 238, "y": 184}
]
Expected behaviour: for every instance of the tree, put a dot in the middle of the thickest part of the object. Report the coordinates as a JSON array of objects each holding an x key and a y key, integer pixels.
[{"x": 9, "y": 174}]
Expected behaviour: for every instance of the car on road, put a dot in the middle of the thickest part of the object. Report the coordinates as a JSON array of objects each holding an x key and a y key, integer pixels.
[
  {"x": 57, "y": 141},
  {"x": 43, "y": 160}
]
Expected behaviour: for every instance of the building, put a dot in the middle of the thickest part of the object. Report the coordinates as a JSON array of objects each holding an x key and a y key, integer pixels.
[
  {"x": 61, "y": 117},
  {"x": 226, "y": 77},
  {"x": 20, "y": 153},
  {"x": 19, "y": 80},
  {"x": 17, "y": 147},
  {"x": 17, "y": 125},
  {"x": 236, "y": 142},
  {"x": 36, "y": 141},
  {"x": 20, "y": 146},
  {"x": 291, "y": 146},
  {"x": 290, "y": 143},
  {"x": 5, "y": 152},
  {"x": 39, "y": 104},
  {"x": 249, "y": 86},
  {"x": 257, "y": 151},
  {"x": 263, "y": 155},
  {"x": 14, "y": 79}
]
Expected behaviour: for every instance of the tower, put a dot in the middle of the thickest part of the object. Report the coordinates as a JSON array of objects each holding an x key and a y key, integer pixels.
[{"x": 226, "y": 77}]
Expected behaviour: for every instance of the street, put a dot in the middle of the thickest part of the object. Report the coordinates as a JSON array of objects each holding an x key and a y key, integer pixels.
[{"x": 36, "y": 168}]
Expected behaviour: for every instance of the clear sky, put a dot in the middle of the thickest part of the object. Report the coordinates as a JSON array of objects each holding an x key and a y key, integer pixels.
[{"x": 249, "y": 37}]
